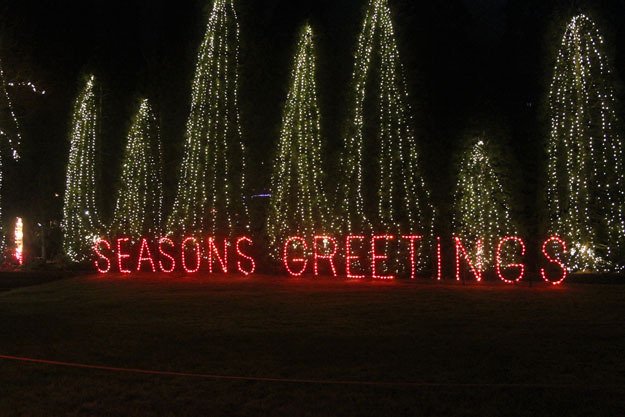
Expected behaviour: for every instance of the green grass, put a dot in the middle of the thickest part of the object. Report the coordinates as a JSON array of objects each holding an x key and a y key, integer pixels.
[{"x": 321, "y": 329}]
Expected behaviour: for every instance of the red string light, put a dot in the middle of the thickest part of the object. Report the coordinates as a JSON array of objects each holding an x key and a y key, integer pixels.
[
  {"x": 325, "y": 248},
  {"x": 375, "y": 257},
  {"x": 439, "y": 260},
  {"x": 460, "y": 250},
  {"x": 327, "y": 256},
  {"x": 250, "y": 271},
  {"x": 498, "y": 262},
  {"x": 197, "y": 255},
  {"x": 349, "y": 257},
  {"x": 145, "y": 248},
  {"x": 162, "y": 254},
  {"x": 121, "y": 256},
  {"x": 96, "y": 248},
  {"x": 412, "y": 239},
  {"x": 285, "y": 258},
  {"x": 550, "y": 259},
  {"x": 212, "y": 249}
]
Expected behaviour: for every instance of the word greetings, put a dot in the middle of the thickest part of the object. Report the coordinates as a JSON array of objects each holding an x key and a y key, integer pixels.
[{"x": 320, "y": 255}]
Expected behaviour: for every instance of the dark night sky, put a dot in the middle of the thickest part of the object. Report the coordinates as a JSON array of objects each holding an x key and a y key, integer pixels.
[{"x": 472, "y": 66}]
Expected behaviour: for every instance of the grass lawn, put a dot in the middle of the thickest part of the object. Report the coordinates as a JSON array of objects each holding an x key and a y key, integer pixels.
[{"x": 565, "y": 346}]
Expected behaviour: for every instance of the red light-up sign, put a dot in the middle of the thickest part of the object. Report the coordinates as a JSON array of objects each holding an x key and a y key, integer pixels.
[{"x": 354, "y": 257}]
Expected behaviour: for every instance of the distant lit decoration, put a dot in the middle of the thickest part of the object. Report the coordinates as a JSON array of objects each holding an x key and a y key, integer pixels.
[
  {"x": 482, "y": 208},
  {"x": 390, "y": 193},
  {"x": 586, "y": 187},
  {"x": 27, "y": 84},
  {"x": 298, "y": 204},
  {"x": 9, "y": 134},
  {"x": 140, "y": 199},
  {"x": 80, "y": 215},
  {"x": 19, "y": 241},
  {"x": 9, "y": 125},
  {"x": 210, "y": 196}
]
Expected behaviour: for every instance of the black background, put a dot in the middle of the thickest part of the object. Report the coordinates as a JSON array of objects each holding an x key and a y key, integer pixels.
[{"x": 472, "y": 66}]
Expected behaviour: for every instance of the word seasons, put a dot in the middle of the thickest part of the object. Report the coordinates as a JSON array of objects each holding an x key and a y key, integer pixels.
[{"x": 361, "y": 257}]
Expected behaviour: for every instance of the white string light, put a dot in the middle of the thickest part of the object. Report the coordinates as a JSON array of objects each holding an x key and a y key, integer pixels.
[
  {"x": 481, "y": 207},
  {"x": 140, "y": 201},
  {"x": 28, "y": 85},
  {"x": 80, "y": 214},
  {"x": 210, "y": 195},
  {"x": 402, "y": 199},
  {"x": 586, "y": 193},
  {"x": 298, "y": 205}
]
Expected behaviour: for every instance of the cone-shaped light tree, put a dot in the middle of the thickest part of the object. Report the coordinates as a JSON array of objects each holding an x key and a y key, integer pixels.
[
  {"x": 389, "y": 195},
  {"x": 299, "y": 206},
  {"x": 481, "y": 205},
  {"x": 586, "y": 188},
  {"x": 140, "y": 200},
  {"x": 210, "y": 195},
  {"x": 9, "y": 135},
  {"x": 80, "y": 215}
]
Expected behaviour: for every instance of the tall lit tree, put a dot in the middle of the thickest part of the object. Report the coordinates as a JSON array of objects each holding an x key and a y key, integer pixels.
[
  {"x": 80, "y": 215},
  {"x": 210, "y": 195},
  {"x": 398, "y": 200},
  {"x": 586, "y": 188},
  {"x": 298, "y": 205},
  {"x": 9, "y": 135},
  {"x": 140, "y": 200},
  {"x": 481, "y": 205}
]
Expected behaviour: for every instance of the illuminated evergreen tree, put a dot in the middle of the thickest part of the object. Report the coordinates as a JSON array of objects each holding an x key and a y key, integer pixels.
[
  {"x": 298, "y": 204},
  {"x": 390, "y": 195},
  {"x": 586, "y": 189},
  {"x": 140, "y": 200},
  {"x": 210, "y": 195},
  {"x": 80, "y": 215},
  {"x": 481, "y": 206},
  {"x": 10, "y": 135}
]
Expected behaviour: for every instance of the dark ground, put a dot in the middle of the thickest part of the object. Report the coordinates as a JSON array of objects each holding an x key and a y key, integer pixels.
[{"x": 563, "y": 345}]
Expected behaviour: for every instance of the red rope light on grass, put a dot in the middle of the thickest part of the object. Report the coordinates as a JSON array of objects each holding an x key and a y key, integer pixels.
[
  {"x": 308, "y": 381},
  {"x": 406, "y": 384}
]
